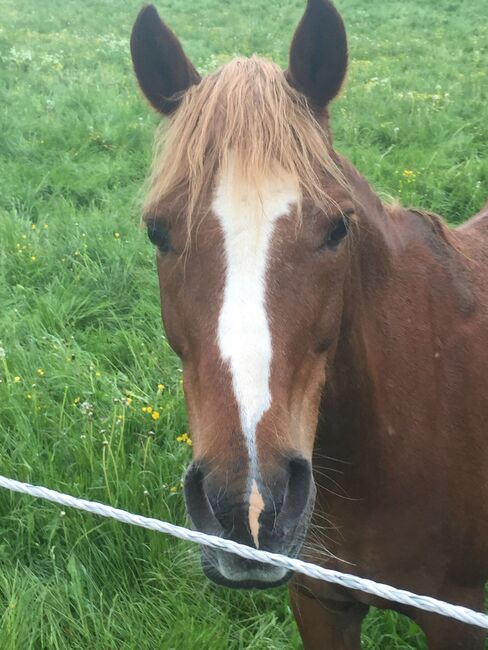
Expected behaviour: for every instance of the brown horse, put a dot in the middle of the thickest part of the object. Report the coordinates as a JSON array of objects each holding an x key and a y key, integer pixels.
[{"x": 334, "y": 348}]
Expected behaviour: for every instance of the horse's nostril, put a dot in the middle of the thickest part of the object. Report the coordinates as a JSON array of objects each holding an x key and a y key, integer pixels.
[
  {"x": 266, "y": 518},
  {"x": 197, "y": 503},
  {"x": 299, "y": 494}
]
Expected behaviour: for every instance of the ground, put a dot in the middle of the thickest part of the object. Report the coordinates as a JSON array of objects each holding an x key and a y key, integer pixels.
[{"x": 90, "y": 393}]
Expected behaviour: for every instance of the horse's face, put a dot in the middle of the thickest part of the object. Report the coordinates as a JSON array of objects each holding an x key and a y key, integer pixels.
[
  {"x": 252, "y": 303},
  {"x": 253, "y": 309}
]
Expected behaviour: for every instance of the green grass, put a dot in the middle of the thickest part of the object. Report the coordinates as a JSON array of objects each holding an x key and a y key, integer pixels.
[{"x": 79, "y": 318}]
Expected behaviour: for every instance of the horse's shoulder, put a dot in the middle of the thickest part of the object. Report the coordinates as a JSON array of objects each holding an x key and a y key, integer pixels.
[
  {"x": 457, "y": 256},
  {"x": 430, "y": 228},
  {"x": 473, "y": 238},
  {"x": 478, "y": 224}
]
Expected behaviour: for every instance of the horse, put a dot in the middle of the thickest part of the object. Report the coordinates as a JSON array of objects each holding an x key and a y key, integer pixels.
[{"x": 334, "y": 347}]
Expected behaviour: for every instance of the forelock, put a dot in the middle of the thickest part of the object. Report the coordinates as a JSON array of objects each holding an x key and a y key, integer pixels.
[{"x": 247, "y": 112}]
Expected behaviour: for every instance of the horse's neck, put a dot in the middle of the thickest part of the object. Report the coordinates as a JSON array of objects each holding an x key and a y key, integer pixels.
[{"x": 403, "y": 291}]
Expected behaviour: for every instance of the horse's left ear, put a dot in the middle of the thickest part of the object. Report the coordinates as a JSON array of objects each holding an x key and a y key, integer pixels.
[
  {"x": 162, "y": 69},
  {"x": 318, "y": 54}
]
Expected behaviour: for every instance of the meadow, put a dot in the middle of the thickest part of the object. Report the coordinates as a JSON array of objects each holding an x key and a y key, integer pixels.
[{"x": 90, "y": 393}]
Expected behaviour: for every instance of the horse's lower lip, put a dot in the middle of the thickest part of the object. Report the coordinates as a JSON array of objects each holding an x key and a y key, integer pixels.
[{"x": 257, "y": 577}]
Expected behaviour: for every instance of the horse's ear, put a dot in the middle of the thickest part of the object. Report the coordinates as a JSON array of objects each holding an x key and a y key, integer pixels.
[
  {"x": 318, "y": 54},
  {"x": 162, "y": 69}
]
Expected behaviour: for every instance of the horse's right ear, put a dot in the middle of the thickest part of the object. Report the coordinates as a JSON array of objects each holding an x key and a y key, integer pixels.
[{"x": 162, "y": 69}]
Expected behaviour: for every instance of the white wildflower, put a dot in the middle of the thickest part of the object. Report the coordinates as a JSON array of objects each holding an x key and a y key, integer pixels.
[{"x": 87, "y": 409}]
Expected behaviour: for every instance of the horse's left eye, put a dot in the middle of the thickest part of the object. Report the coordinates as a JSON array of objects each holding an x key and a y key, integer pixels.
[
  {"x": 159, "y": 236},
  {"x": 337, "y": 231}
]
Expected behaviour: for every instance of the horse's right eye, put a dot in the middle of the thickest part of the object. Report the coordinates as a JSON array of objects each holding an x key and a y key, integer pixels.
[{"x": 159, "y": 236}]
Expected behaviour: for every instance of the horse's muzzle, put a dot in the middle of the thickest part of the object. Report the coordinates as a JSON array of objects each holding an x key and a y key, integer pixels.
[{"x": 279, "y": 525}]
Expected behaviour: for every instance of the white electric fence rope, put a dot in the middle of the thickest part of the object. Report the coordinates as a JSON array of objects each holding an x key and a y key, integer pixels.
[{"x": 427, "y": 603}]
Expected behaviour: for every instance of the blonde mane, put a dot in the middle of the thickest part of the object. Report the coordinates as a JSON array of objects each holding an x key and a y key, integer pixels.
[{"x": 247, "y": 112}]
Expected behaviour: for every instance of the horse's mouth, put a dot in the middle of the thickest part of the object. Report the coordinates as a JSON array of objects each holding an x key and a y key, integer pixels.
[{"x": 228, "y": 570}]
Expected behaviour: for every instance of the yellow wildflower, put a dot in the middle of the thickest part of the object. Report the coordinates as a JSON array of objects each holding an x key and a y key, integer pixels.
[
  {"x": 409, "y": 175},
  {"x": 160, "y": 388},
  {"x": 155, "y": 415},
  {"x": 33, "y": 226},
  {"x": 41, "y": 372},
  {"x": 17, "y": 379},
  {"x": 185, "y": 438},
  {"x": 117, "y": 235}
]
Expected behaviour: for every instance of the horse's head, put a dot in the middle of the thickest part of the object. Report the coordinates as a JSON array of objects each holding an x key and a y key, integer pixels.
[{"x": 250, "y": 213}]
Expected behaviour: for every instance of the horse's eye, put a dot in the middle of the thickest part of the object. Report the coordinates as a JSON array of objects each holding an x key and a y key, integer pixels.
[
  {"x": 159, "y": 236},
  {"x": 338, "y": 231}
]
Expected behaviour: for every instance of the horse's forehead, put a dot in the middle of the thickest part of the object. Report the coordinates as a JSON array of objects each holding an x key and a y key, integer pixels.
[{"x": 247, "y": 203}]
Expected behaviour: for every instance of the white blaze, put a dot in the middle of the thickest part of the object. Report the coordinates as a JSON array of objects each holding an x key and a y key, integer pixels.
[
  {"x": 256, "y": 506},
  {"x": 248, "y": 219}
]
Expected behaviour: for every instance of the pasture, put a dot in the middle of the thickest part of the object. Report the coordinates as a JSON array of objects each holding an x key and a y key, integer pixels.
[{"x": 90, "y": 393}]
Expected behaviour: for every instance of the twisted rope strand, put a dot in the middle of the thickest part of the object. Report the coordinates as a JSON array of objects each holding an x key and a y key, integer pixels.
[{"x": 426, "y": 603}]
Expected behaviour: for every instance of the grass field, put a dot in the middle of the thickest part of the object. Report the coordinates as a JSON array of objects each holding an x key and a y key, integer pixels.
[{"x": 83, "y": 358}]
